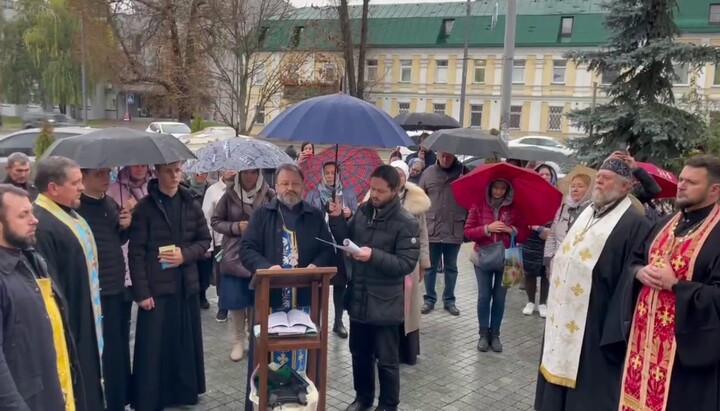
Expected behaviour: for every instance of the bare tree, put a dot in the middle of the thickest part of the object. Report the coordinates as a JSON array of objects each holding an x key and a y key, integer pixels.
[
  {"x": 160, "y": 44},
  {"x": 246, "y": 76},
  {"x": 355, "y": 78}
]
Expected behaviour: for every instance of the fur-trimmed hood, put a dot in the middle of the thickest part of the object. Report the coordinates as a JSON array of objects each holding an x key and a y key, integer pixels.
[{"x": 415, "y": 201}]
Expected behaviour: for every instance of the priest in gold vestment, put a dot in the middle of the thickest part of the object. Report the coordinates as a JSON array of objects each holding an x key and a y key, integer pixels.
[
  {"x": 673, "y": 357},
  {"x": 584, "y": 342}
]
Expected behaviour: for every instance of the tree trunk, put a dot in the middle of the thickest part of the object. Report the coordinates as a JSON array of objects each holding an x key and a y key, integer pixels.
[
  {"x": 348, "y": 50},
  {"x": 363, "y": 49}
]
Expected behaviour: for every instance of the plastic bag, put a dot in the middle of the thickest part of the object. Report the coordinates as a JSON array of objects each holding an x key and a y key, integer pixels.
[{"x": 513, "y": 268}]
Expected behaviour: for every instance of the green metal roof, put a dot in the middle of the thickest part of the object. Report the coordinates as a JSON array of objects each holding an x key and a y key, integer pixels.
[{"x": 421, "y": 25}]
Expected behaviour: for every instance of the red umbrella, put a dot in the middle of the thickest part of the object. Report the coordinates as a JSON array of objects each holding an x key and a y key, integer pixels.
[
  {"x": 665, "y": 179},
  {"x": 355, "y": 164},
  {"x": 534, "y": 198}
]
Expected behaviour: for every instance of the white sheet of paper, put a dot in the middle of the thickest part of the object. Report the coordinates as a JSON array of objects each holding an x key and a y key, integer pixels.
[{"x": 349, "y": 247}]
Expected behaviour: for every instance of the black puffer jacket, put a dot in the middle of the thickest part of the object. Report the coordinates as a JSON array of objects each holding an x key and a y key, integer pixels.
[
  {"x": 375, "y": 289},
  {"x": 103, "y": 218},
  {"x": 150, "y": 230}
]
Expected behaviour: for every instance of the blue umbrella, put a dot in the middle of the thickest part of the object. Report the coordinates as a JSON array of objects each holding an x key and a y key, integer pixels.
[
  {"x": 237, "y": 154},
  {"x": 337, "y": 119}
]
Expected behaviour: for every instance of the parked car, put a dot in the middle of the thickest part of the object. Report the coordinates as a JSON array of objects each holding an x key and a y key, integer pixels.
[
  {"x": 24, "y": 141},
  {"x": 37, "y": 120},
  {"x": 547, "y": 143},
  {"x": 169, "y": 127}
]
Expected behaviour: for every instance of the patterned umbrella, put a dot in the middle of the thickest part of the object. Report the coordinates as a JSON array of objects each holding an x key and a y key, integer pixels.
[
  {"x": 666, "y": 180},
  {"x": 355, "y": 165},
  {"x": 237, "y": 154}
]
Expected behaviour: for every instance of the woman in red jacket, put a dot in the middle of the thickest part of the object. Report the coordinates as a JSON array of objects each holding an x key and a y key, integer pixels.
[{"x": 490, "y": 222}]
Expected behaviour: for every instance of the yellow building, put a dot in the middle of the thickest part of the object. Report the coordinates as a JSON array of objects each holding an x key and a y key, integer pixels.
[{"x": 414, "y": 61}]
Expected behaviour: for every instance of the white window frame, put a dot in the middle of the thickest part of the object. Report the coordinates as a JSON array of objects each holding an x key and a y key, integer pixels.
[
  {"x": 559, "y": 72},
  {"x": 405, "y": 68},
  {"x": 683, "y": 72},
  {"x": 441, "y": 71},
  {"x": 553, "y": 112},
  {"x": 515, "y": 114},
  {"x": 518, "y": 76},
  {"x": 479, "y": 65},
  {"x": 372, "y": 70},
  {"x": 403, "y": 107},
  {"x": 437, "y": 106},
  {"x": 714, "y": 13},
  {"x": 259, "y": 75},
  {"x": 476, "y": 112},
  {"x": 566, "y": 26}
]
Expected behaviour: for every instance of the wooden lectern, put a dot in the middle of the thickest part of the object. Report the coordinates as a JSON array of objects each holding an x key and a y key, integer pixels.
[{"x": 318, "y": 279}]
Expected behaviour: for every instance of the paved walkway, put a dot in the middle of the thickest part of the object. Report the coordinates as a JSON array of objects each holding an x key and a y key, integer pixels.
[{"x": 450, "y": 375}]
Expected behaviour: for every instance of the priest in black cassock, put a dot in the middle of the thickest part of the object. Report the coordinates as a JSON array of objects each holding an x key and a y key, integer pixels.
[
  {"x": 168, "y": 235},
  {"x": 584, "y": 342},
  {"x": 673, "y": 357},
  {"x": 66, "y": 242}
]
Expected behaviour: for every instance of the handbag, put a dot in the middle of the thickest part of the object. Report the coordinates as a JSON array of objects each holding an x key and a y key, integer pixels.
[
  {"x": 489, "y": 258},
  {"x": 513, "y": 265}
]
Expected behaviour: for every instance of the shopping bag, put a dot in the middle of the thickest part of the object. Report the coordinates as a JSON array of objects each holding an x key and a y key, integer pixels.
[{"x": 513, "y": 269}]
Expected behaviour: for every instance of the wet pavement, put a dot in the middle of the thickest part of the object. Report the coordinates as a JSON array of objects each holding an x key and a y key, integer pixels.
[{"x": 450, "y": 374}]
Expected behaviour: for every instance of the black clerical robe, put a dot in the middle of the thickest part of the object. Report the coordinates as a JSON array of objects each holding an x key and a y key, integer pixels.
[
  {"x": 168, "y": 362},
  {"x": 603, "y": 348},
  {"x": 67, "y": 267},
  {"x": 694, "y": 383}
]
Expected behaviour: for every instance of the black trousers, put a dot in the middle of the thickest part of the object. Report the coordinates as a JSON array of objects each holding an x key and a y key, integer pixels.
[
  {"x": 368, "y": 344},
  {"x": 116, "y": 353},
  {"x": 205, "y": 272}
]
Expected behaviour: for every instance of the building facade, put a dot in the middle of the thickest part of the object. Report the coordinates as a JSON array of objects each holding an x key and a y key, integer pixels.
[{"x": 415, "y": 54}]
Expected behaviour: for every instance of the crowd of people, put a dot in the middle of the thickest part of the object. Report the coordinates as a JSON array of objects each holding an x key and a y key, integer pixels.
[{"x": 629, "y": 296}]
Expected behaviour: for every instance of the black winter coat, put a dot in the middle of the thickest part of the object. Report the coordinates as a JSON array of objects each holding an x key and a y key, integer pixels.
[
  {"x": 375, "y": 288},
  {"x": 261, "y": 246},
  {"x": 150, "y": 230},
  {"x": 103, "y": 218}
]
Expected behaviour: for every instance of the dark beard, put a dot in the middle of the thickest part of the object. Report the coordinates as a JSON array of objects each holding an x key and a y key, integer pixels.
[{"x": 15, "y": 240}]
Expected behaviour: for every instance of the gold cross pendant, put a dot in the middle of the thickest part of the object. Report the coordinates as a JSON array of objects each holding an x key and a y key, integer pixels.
[{"x": 579, "y": 239}]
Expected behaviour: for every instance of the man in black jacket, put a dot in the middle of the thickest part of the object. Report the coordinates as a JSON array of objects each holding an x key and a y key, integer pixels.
[
  {"x": 387, "y": 235},
  {"x": 18, "y": 173},
  {"x": 168, "y": 235},
  {"x": 28, "y": 367},
  {"x": 109, "y": 227}
]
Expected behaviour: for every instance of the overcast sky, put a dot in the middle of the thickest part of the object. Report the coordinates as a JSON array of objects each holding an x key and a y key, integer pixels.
[{"x": 307, "y": 3}]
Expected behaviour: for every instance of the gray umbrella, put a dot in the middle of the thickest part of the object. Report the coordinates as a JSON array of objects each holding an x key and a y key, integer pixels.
[
  {"x": 531, "y": 153},
  {"x": 237, "y": 154},
  {"x": 119, "y": 146},
  {"x": 466, "y": 141}
]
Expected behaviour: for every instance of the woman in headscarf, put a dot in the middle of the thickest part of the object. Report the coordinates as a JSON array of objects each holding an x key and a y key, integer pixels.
[
  {"x": 578, "y": 197},
  {"x": 533, "y": 251},
  {"x": 247, "y": 192},
  {"x": 319, "y": 197}
]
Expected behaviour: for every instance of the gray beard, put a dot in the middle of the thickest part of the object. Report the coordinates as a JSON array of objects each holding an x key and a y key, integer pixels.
[{"x": 289, "y": 201}]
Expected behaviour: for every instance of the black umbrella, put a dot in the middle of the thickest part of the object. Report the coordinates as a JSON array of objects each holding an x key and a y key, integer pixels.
[
  {"x": 118, "y": 146},
  {"x": 531, "y": 153},
  {"x": 466, "y": 141},
  {"x": 426, "y": 121}
]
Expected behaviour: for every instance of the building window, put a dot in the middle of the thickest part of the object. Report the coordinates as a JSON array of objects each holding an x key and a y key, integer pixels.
[
  {"x": 295, "y": 38},
  {"x": 329, "y": 72},
  {"x": 716, "y": 80},
  {"x": 259, "y": 76},
  {"x": 609, "y": 76},
  {"x": 555, "y": 119},
  {"x": 260, "y": 115},
  {"x": 714, "y": 13},
  {"x": 682, "y": 73},
  {"x": 441, "y": 71},
  {"x": 439, "y": 108},
  {"x": 559, "y": 67},
  {"x": 566, "y": 26},
  {"x": 403, "y": 108},
  {"x": 518, "y": 72},
  {"x": 405, "y": 71},
  {"x": 448, "y": 25},
  {"x": 479, "y": 72},
  {"x": 515, "y": 116},
  {"x": 476, "y": 111},
  {"x": 262, "y": 35},
  {"x": 372, "y": 69}
]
